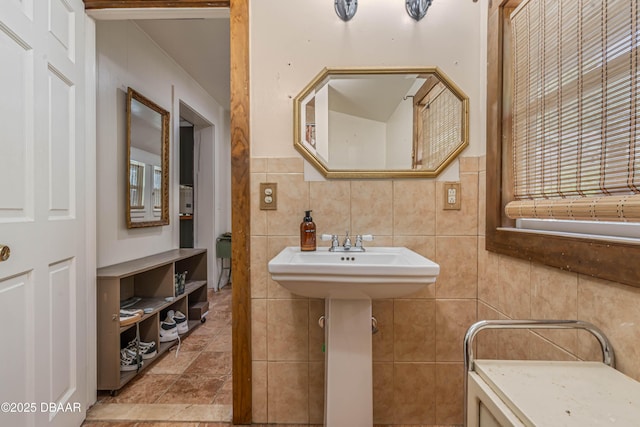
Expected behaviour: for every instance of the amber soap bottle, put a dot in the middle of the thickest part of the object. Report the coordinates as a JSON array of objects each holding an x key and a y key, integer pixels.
[{"x": 307, "y": 233}]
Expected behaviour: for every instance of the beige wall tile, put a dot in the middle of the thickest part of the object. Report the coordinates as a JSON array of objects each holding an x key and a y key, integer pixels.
[
  {"x": 259, "y": 271},
  {"x": 258, "y": 219},
  {"x": 259, "y": 329},
  {"x": 285, "y": 165},
  {"x": 382, "y": 341},
  {"x": 463, "y": 222},
  {"x": 414, "y": 393},
  {"x": 288, "y": 392},
  {"x": 469, "y": 164},
  {"x": 449, "y": 391},
  {"x": 482, "y": 203},
  {"x": 383, "y": 393},
  {"x": 458, "y": 260},
  {"x": 288, "y": 329},
  {"x": 488, "y": 269},
  {"x": 316, "y": 333},
  {"x": 414, "y": 330},
  {"x": 515, "y": 287},
  {"x": 554, "y": 295},
  {"x": 330, "y": 202},
  {"x": 453, "y": 318},
  {"x": 542, "y": 349},
  {"x": 615, "y": 309},
  {"x": 482, "y": 163},
  {"x": 259, "y": 392},
  {"x": 414, "y": 207},
  {"x": 274, "y": 246},
  {"x": 371, "y": 208},
  {"x": 513, "y": 344},
  {"x": 316, "y": 392},
  {"x": 293, "y": 200},
  {"x": 258, "y": 164},
  {"x": 486, "y": 340}
]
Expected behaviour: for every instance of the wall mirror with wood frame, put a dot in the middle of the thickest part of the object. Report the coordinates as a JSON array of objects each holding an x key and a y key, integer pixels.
[
  {"x": 381, "y": 122},
  {"x": 147, "y": 162}
]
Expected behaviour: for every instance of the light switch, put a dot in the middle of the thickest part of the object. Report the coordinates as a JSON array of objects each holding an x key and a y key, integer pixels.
[
  {"x": 452, "y": 195},
  {"x": 268, "y": 196}
]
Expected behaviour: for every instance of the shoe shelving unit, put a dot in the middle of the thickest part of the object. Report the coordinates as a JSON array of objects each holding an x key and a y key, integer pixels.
[{"x": 152, "y": 280}]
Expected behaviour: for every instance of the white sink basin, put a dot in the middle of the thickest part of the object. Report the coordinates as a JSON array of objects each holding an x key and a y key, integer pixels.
[{"x": 380, "y": 272}]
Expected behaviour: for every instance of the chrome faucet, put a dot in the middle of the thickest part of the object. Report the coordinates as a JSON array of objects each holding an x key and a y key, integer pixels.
[
  {"x": 346, "y": 245},
  {"x": 347, "y": 242}
]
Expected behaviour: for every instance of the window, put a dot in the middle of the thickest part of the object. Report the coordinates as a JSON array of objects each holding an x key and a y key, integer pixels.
[
  {"x": 574, "y": 111},
  {"x": 561, "y": 131},
  {"x": 157, "y": 187},
  {"x": 136, "y": 176}
]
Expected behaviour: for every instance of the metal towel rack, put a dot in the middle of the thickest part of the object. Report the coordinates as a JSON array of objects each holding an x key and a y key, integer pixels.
[{"x": 608, "y": 357}]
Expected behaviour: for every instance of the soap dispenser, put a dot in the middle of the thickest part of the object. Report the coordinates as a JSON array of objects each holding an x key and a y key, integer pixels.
[{"x": 307, "y": 233}]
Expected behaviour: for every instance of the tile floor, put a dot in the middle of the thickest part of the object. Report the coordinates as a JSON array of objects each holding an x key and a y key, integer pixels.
[
  {"x": 187, "y": 389},
  {"x": 191, "y": 390}
]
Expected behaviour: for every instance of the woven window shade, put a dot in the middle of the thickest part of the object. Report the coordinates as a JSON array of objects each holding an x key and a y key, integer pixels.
[
  {"x": 441, "y": 123},
  {"x": 576, "y": 77}
]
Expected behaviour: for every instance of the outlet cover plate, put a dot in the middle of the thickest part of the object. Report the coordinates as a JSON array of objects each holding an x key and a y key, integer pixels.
[
  {"x": 452, "y": 196},
  {"x": 268, "y": 196}
]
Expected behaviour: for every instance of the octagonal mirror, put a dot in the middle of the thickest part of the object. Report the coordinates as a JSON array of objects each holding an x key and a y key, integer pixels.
[{"x": 381, "y": 122}]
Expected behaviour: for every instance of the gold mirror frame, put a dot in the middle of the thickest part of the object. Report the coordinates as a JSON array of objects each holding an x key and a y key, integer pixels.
[
  {"x": 162, "y": 124},
  {"x": 300, "y": 101}
]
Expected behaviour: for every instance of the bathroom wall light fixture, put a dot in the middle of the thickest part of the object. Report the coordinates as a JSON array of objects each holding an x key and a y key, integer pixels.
[
  {"x": 346, "y": 9},
  {"x": 417, "y": 9}
]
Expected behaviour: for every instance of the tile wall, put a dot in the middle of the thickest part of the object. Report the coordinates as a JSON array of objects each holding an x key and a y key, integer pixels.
[
  {"x": 418, "y": 350},
  {"x": 418, "y": 359}
]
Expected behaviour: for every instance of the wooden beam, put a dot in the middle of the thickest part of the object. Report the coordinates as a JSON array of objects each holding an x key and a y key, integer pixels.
[
  {"x": 240, "y": 220},
  {"x": 134, "y": 4}
]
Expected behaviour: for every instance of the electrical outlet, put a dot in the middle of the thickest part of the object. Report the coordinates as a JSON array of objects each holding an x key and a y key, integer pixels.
[
  {"x": 268, "y": 196},
  {"x": 452, "y": 196}
]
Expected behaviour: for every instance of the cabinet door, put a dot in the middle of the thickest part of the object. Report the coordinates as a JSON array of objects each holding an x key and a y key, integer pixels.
[{"x": 486, "y": 418}]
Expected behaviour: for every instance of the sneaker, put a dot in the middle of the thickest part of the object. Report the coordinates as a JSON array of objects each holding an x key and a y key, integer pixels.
[
  {"x": 181, "y": 321},
  {"x": 129, "y": 361},
  {"x": 168, "y": 328},
  {"x": 128, "y": 317},
  {"x": 146, "y": 349}
]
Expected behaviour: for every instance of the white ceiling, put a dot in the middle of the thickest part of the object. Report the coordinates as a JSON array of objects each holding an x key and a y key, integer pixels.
[{"x": 199, "y": 46}]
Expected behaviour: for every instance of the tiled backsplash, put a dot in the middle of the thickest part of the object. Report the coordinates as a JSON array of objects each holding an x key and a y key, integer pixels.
[{"x": 417, "y": 353}]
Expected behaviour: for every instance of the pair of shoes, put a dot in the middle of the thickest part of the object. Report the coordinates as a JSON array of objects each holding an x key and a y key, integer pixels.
[
  {"x": 146, "y": 349},
  {"x": 175, "y": 323},
  {"x": 128, "y": 317},
  {"x": 129, "y": 361}
]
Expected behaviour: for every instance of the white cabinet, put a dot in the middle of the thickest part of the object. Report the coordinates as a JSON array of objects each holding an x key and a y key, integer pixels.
[{"x": 504, "y": 393}]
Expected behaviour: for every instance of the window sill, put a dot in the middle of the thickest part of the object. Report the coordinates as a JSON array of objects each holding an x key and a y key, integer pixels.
[{"x": 596, "y": 257}]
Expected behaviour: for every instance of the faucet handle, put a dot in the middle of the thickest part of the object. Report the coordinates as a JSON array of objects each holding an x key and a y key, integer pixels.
[
  {"x": 363, "y": 237},
  {"x": 334, "y": 240}
]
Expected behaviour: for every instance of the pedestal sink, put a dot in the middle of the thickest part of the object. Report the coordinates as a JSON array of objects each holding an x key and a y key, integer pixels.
[{"x": 348, "y": 281}]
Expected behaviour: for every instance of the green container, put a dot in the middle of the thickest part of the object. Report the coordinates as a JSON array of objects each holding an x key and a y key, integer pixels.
[{"x": 223, "y": 247}]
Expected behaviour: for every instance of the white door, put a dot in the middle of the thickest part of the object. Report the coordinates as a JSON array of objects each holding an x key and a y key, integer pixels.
[{"x": 43, "y": 364}]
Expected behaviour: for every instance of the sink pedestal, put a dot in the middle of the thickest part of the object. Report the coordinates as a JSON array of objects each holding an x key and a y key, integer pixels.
[{"x": 348, "y": 399}]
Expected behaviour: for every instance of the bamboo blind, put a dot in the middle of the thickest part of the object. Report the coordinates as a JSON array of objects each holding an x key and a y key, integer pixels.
[
  {"x": 440, "y": 125},
  {"x": 576, "y": 78}
]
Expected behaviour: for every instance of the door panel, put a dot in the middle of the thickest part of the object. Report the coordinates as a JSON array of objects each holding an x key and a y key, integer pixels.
[{"x": 42, "y": 219}]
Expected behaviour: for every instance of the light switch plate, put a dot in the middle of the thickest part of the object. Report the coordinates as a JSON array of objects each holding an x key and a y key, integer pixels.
[
  {"x": 452, "y": 196},
  {"x": 268, "y": 196}
]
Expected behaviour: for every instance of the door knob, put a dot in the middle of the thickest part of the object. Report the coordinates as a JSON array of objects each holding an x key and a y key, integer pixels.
[{"x": 5, "y": 252}]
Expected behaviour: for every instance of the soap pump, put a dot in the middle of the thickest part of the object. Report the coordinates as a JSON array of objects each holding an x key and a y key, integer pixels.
[{"x": 307, "y": 233}]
